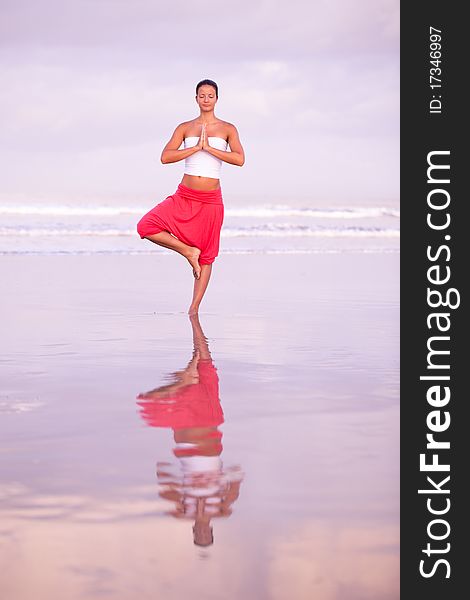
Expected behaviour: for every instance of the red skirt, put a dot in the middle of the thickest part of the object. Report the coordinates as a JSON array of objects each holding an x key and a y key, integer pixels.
[
  {"x": 194, "y": 405},
  {"x": 193, "y": 216}
]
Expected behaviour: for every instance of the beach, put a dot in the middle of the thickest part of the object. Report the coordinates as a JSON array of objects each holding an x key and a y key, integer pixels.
[{"x": 306, "y": 354}]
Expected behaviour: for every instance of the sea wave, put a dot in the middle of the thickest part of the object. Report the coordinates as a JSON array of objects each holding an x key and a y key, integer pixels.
[
  {"x": 236, "y": 212},
  {"x": 261, "y": 251},
  {"x": 266, "y": 230}
]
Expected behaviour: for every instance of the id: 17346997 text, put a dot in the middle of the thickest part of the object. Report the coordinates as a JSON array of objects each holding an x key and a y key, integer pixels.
[{"x": 435, "y": 70}]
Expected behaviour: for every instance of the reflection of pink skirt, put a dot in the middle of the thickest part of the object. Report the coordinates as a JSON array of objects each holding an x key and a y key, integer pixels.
[
  {"x": 193, "y": 216},
  {"x": 194, "y": 405}
]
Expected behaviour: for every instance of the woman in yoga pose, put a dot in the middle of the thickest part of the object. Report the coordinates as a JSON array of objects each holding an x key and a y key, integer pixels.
[
  {"x": 190, "y": 220},
  {"x": 202, "y": 488}
]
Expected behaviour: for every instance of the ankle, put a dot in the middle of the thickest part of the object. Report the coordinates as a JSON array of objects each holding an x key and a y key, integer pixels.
[{"x": 193, "y": 251}]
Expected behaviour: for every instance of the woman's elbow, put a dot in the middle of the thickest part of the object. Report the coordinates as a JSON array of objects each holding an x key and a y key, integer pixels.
[
  {"x": 241, "y": 161},
  {"x": 165, "y": 157}
]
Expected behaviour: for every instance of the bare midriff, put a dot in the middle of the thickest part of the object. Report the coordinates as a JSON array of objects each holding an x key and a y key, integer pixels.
[{"x": 196, "y": 182}]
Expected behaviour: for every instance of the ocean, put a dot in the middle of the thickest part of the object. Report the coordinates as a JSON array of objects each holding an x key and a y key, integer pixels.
[{"x": 103, "y": 227}]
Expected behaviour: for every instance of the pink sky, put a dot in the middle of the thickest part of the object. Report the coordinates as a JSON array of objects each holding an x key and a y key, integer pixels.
[{"x": 91, "y": 91}]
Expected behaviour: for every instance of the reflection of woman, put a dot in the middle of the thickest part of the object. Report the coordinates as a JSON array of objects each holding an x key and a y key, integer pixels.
[
  {"x": 190, "y": 405},
  {"x": 190, "y": 220}
]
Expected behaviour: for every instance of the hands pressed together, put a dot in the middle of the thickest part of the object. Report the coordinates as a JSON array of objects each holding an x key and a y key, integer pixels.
[{"x": 203, "y": 143}]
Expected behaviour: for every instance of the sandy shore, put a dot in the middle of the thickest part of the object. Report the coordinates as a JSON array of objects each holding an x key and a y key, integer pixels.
[{"x": 306, "y": 352}]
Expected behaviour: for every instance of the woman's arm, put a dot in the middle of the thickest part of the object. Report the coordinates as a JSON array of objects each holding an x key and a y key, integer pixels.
[
  {"x": 171, "y": 154},
  {"x": 236, "y": 156}
]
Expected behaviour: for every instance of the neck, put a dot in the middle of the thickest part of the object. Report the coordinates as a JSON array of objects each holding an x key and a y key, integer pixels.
[{"x": 207, "y": 117}]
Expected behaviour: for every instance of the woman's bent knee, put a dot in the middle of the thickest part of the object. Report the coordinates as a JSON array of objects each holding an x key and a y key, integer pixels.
[
  {"x": 141, "y": 228},
  {"x": 144, "y": 228}
]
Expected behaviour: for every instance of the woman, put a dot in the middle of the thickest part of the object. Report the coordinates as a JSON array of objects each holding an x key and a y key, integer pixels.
[
  {"x": 203, "y": 489},
  {"x": 190, "y": 220}
]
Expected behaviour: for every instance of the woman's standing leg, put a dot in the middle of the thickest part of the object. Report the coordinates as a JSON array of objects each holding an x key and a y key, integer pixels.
[{"x": 200, "y": 286}]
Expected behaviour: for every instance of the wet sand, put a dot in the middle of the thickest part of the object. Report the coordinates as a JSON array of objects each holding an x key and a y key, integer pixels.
[{"x": 305, "y": 362}]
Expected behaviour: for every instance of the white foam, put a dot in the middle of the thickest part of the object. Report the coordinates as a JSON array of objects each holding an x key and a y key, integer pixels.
[
  {"x": 269, "y": 230},
  {"x": 228, "y": 251},
  {"x": 236, "y": 212}
]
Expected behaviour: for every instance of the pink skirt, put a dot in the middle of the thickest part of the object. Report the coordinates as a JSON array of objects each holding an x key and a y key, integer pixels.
[
  {"x": 193, "y": 216},
  {"x": 194, "y": 405}
]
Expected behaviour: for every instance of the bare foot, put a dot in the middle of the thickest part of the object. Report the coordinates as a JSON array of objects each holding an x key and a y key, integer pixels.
[
  {"x": 193, "y": 310},
  {"x": 193, "y": 258}
]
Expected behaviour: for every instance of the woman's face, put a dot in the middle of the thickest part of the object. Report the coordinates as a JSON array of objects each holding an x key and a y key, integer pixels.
[{"x": 206, "y": 98}]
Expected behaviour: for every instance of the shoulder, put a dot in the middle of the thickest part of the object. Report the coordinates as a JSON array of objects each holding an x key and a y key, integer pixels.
[
  {"x": 182, "y": 127},
  {"x": 232, "y": 135},
  {"x": 230, "y": 130},
  {"x": 185, "y": 126},
  {"x": 229, "y": 127},
  {"x": 181, "y": 132}
]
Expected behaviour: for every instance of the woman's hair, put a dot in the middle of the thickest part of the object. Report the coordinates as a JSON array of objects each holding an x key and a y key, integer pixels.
[{"x": 208, "y": 82}]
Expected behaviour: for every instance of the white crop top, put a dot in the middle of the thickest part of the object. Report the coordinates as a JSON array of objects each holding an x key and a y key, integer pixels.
[{"x": 202, "y": 163}]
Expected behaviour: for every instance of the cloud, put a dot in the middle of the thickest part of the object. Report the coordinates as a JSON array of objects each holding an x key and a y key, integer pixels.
[
  {"x": 249, "y": 28},
  {"x": 86, "y": 79}
]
